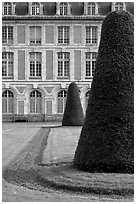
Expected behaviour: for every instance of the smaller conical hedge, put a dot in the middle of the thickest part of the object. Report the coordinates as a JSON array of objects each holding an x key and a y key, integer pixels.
[{"x": 73, "y": 114}]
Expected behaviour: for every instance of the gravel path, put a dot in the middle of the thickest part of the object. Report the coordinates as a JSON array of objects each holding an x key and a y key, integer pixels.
[{"x": 21, "y": 183}]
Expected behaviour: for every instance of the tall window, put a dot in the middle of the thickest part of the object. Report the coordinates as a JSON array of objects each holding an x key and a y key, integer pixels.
[
  {"x": 35, "y": 35},
  {"x": 118, "y": 6},
  {"x": 63, "y": 64},
  {"x": 35, "y": 64},
  {"x": 91, "y": 34},
  {"x": 90, "y": 63},
  {"x": 63, "y": 34},
  {"x": 7, "y": 64},
  {"x": 35, "y": 102},
  {"x": 62, "y": 101},
  {"x": 63, "y": 8},
  {"x": 35, "y": 9},
  {"x": 7, "y": 34},
  {"x": 7, "y": 9},
  {"x": 91, "y": 9},
  {"x": 7, "y": 102}
]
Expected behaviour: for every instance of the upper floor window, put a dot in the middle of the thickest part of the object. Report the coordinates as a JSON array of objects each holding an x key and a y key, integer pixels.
[
  {"x": 7, "y": 34},
  {"x": 7, "y": 64},
  {"x": 63, "y": 8},
  {"x": 62, "y": 95},
  {"x": 35, "y": 9},
  {"x": 91, "y": 9},
  {"x": 7, "y": 102},
  {"x": 7, "y": 8},
  {"x": 118, "y": 6},
  {"x": 63, "y": 64},
  {"x": 35, "y": 102},
  {"x": 63, "y": 34},
  {"x": 35, "y": 35},
  {"x": 91, "y": 34},
  {"x": 35, "y": 64},
  {"x": 90, "y": 63}
]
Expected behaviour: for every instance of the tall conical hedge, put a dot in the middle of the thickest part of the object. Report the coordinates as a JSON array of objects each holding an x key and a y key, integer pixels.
[
  {"x": 106, "y": 142},
  {"x": 73, "y": 114}
]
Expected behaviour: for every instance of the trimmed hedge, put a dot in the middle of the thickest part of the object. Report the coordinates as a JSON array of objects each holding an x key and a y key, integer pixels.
[
  {"x": 73, "y": 114},
  {"x": 106, "y": 142}
]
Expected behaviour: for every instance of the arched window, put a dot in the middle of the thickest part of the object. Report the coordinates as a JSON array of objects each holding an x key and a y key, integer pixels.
[
  {"x": 7, "y": 9},
  {"x": 87, "y": 98},
  {"x": 63, "y": 8},
  {"x": 119, "y": 6},
  {"x": 35, "y": 102},
  {"x": 35, "y": 8},
  {"x": 91, "y": 9},
  {"x": 62, "y": 101},
  {"x": 7, "y": 102}
]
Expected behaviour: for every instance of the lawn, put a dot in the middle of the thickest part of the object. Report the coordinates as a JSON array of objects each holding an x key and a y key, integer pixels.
[{"x": 34, "y": 176}]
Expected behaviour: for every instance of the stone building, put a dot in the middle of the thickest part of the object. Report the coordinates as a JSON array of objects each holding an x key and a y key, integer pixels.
[{"x": 46, "y": 46}]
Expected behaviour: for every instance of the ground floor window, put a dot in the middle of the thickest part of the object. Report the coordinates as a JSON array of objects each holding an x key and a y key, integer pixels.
[
  {"x": 35, "y": 102},
  {"x": 7, "y": 102},
  {"x": 62, "y": 101}
]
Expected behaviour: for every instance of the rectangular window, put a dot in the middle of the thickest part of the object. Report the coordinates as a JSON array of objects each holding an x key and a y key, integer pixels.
[
  {"x": 7, "y": 34},
  {"x": 63, "y": 34},
  {"x": 90, "y": 63},
  {"x": 35, "y": 35},
  {"x": 7, "y": 64},
  {"x": 63, "y": 64},
  {"x": 35, "y": 64},
  {"x": 91, "y": 34}
]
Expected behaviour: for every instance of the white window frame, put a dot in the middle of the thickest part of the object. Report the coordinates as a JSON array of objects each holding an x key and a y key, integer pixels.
[
  {"x": 9, "y": 103},
  {"x": 35, "y": 102},
  {"x": 7, "y": 64},
  {"x": 35, "y": 9},
  {"x": 35, "y": 64},
  {"x": 7, "y": 8},
  {"x": 90, "y": 64},
  {"x": 61, "y": 101},
  {"x": 63, "y": 34},
  {"x": 63, "y": 64},
  {"x": 116, "y": 5},
  {"x": 92, "y": 31},
  {"x": 7, "y": 34}
]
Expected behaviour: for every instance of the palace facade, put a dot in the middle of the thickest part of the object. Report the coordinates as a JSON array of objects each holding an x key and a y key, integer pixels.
[{"x": 45, "y": 47}]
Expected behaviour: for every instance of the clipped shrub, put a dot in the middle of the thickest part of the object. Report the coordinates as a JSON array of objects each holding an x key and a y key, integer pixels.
[
  {"x": 106, "y": 142},
  {"x": 73, "y": 114}
]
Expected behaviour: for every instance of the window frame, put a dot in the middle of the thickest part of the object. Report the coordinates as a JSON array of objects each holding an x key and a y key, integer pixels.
[
  {"x": 35, "y": 65},
  {"x": 91, "y": 6},
  {"x": 34, "y": 100},
  {"x": 63, "y": 61},
  {"x": 91, "y": 35},
  {"x": 61, "y": 101},
  {"x": 7, "y": 64},
  {"x": 64, "y": 35},
  {"x": 35, "y": 9},
  {"x": 9, "y": 103},
  {"x": 63, "y": 8},
  {"x": 90, "y": 64},
  {"x": 7, "y": 34},
  {"x": 7, "y": 9}
]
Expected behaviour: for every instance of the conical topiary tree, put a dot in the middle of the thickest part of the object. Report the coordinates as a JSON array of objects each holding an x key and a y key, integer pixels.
[
  {"x": 106, "y": 142},
  {"x": 73, "y": 114}
]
